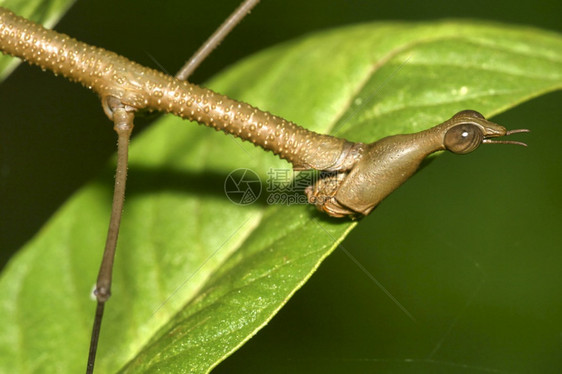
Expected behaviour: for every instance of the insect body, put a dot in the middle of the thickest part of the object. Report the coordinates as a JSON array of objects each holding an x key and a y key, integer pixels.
[
  {"x": 364, "y": 174},
  {"x": 356, "y": 176}
]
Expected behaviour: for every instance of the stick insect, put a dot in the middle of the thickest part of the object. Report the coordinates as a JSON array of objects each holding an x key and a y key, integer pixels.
[{"x": 341, "y": 156}]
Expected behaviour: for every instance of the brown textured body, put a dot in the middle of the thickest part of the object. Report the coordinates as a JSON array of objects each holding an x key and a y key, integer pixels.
[
  {"x": 138, "y": 87},
  {"x": 362, "y": 175},
  {"x": 354, "y": 177}
]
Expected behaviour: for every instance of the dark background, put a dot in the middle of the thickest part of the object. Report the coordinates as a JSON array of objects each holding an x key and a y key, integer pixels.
[{"x": 479, "y": 268}]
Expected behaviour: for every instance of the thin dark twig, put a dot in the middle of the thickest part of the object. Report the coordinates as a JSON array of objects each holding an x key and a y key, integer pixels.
[
  {"x": 95, "y": 337},
  {"x": 215, "y": 39}
]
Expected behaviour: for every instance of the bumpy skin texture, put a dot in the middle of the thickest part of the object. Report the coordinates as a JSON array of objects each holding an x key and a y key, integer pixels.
[
  {"x": 138, "y": 87},
  {"x": 360, "y": 177}
]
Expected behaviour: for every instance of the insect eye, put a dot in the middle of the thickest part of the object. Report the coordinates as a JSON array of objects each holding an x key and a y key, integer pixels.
[{"x": 463, "y": 138}]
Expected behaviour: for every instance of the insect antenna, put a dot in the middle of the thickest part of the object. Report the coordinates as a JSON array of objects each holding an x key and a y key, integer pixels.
[{"x": 515, "y": 142}]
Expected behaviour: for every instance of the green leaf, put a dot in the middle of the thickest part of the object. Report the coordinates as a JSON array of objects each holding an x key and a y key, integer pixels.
[
  {"x": 197, "y": 276},
  {"x": 45, "y": 12}
]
